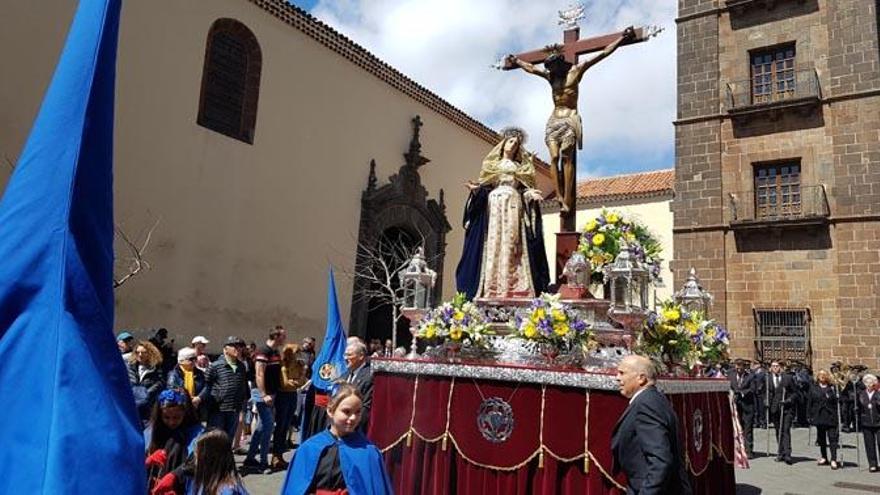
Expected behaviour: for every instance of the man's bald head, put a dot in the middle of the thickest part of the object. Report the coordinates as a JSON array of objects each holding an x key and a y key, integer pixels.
[{"x": 634, "y": 373}]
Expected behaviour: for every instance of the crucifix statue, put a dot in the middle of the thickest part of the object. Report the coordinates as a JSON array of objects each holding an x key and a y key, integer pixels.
[{"x": 563, "y": 72}]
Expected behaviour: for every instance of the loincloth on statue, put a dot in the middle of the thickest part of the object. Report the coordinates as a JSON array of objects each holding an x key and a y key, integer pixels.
[{"x": 564, "y": 131}]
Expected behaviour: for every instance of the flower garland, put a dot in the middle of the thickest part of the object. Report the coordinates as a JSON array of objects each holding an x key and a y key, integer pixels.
[
  {"x": 677, "y": 336},
  {"x": 549, "y": 321},
  {"x": 603, "y": 236},
  {"x": 459, "y": 321}
]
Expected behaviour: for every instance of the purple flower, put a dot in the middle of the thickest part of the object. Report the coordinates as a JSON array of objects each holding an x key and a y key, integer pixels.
[{"x": 545, "y": 327}]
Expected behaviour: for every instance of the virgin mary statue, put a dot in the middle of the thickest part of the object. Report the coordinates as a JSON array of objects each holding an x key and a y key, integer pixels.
[{"x": 503, "y": 254}]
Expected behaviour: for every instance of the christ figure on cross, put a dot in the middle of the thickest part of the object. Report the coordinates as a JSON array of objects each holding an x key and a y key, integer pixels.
[{"x": 564, "y": 128}]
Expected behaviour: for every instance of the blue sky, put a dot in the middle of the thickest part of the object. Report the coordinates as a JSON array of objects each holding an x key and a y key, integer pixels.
[{"x": 627, "y": 102}]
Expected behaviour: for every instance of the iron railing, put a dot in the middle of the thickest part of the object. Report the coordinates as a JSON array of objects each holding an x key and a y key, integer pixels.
[
  {"x": 783, "y": 334},
  {"x": 793, "y": 203},
  {"x": 748, "y": 94}
]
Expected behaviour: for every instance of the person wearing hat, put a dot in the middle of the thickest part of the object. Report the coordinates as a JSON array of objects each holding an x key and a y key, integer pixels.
[
  {"x": 199, "y": 343},
  {"x": 123, "y": 342},
  {"x": 226, "y": 384},
  {"x": 742, "y": 382},
  {"x": 186, "y": 376}
]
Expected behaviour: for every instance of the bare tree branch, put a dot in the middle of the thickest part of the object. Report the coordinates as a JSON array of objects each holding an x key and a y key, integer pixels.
[
  {"x": 137, "y": 262},
  {"x": 379, "y": 264}
]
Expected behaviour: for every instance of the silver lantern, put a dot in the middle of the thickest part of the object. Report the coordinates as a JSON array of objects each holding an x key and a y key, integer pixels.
[
  {"x": 417, "y": 282},
  {"x": 630, "y": 282},
  {"x": 692, "y": 296}
]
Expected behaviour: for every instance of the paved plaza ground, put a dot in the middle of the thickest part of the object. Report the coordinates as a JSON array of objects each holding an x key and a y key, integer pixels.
[
  {"x": 804, "y": 477},
  {"x": 765, "y": 477}
]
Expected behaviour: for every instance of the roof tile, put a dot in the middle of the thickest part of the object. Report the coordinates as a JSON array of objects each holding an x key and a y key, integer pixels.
[{"x": 626, "y": 186}]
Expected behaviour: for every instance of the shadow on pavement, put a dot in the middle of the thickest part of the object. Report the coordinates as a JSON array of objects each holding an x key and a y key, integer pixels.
[{"x": 744, "y": 489}]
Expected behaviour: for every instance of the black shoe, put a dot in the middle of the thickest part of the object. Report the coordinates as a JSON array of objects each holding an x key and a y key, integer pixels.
[
  {"x": 789, "y": 461},
  {"x": 846, "y": 429},
  {"x": 251, "y": 465},
  {"x": 872, "y": 469}
]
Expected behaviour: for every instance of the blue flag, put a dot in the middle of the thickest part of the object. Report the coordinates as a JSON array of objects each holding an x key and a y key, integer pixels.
[
  {"x": 69, "y": 423},
  {"x": 330, "y": 362}
]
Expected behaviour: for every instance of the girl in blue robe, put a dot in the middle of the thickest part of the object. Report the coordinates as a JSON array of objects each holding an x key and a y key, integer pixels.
[{"x": 339, "y": 460}]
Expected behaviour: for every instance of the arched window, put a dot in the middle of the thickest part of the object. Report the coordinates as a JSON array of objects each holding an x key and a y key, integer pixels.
[{"x": 231, "y": 80}]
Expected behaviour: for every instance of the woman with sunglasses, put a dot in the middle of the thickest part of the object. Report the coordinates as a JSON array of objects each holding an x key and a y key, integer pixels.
[
  {"x": 340, "y": 460},
  {"x": 172, "y": 432},
  {"x": 188, "y": 377}
]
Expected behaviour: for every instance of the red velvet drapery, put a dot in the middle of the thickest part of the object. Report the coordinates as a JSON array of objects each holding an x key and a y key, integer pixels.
[{"x": 427, "y": 428}]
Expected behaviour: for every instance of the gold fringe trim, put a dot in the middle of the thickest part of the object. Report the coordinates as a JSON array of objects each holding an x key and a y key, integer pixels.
[
  {"x": 587, "y": 456},
  {"x": 605, "y": 473},
  {"x": 394, "y": 443},
  {"x": 528, "y": 459},
  {"x": 587, "y": 431},
  {"x": 412, "y": 417},
  {"x": 541, "y": 429}
]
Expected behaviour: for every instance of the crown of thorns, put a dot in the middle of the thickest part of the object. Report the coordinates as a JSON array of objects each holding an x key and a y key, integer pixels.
[{"x": 509, "y": 132}]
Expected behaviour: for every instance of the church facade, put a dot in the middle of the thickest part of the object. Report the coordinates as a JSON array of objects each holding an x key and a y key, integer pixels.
[
  {"x": 777, "y": 176},
  {"x": 259, "y": 147}
]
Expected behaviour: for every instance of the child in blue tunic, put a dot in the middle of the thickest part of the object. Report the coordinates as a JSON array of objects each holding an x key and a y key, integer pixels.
[{"x": 339, "y": 460}]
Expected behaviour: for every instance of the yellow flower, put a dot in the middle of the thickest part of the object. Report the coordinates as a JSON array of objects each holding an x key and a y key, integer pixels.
[
  {"x": 561, "y": 328},
  {"x": 597, "y": 259},
  {"x": 592, "y": 225},
  {"x": 691, "y": 327},
  {"x": 530, "y": 331},
  {"x": 430, "y": 331},
  {"x": 612, "y": 218},
  {"x": 459, "y": 315},
  {"x": 455, "y": 333},
  {"x": 671, "y": 314},
  {"x": 558, "y": 315},
  {"x": 667, "y": 328},
  {"x": 598, "y": 239},
  {"x": 629, "y": 236},
  {"x": 539, "y": 314}
]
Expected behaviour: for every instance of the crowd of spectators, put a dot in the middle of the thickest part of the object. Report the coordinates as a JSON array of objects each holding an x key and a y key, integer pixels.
[{"x": 197, "y": 410}]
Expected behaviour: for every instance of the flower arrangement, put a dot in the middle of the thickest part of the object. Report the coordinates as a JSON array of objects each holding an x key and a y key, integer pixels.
[
  {"x": 677, "y": 336},
  {"x": 603, "y": 236},
  {"x": 458, "y": 321},
  {"x": 549, "y": 321}
]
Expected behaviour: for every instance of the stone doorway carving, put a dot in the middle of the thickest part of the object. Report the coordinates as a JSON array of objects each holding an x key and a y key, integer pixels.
[{"x": 399, "y": 208}]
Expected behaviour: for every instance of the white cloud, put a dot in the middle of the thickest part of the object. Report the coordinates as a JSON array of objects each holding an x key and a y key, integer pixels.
[{"x": 627, "y": 102}]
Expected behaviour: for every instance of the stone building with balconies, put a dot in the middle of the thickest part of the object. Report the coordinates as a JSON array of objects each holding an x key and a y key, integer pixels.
[{"x": 777, "y": 176}]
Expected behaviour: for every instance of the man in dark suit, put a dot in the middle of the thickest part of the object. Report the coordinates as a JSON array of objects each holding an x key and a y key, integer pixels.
[
  {"x": 744, "y": 385},
  {"x": 360, "y": 375},
  {"x": 783, "y": 397},
  {"x": 645, "y": 442}
]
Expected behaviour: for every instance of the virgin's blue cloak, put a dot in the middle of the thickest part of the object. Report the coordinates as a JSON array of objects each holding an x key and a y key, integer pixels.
[
  {"x": 360, "y": 461},
  {"x": 475, "y": 223}
]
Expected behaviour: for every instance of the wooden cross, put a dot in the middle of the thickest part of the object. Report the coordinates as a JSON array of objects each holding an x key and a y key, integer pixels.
[
  {"x": 572, "y": 45},
  {"x": 571, "y": 48}
]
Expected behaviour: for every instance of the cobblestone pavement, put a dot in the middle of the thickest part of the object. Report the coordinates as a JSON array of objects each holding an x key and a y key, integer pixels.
[
  {"x": 765, "y": 477},
  {"x": 804, "y": 477}
]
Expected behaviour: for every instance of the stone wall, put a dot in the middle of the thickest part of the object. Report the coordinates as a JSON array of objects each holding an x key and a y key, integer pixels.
[{"x": 832, "y": 270}]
